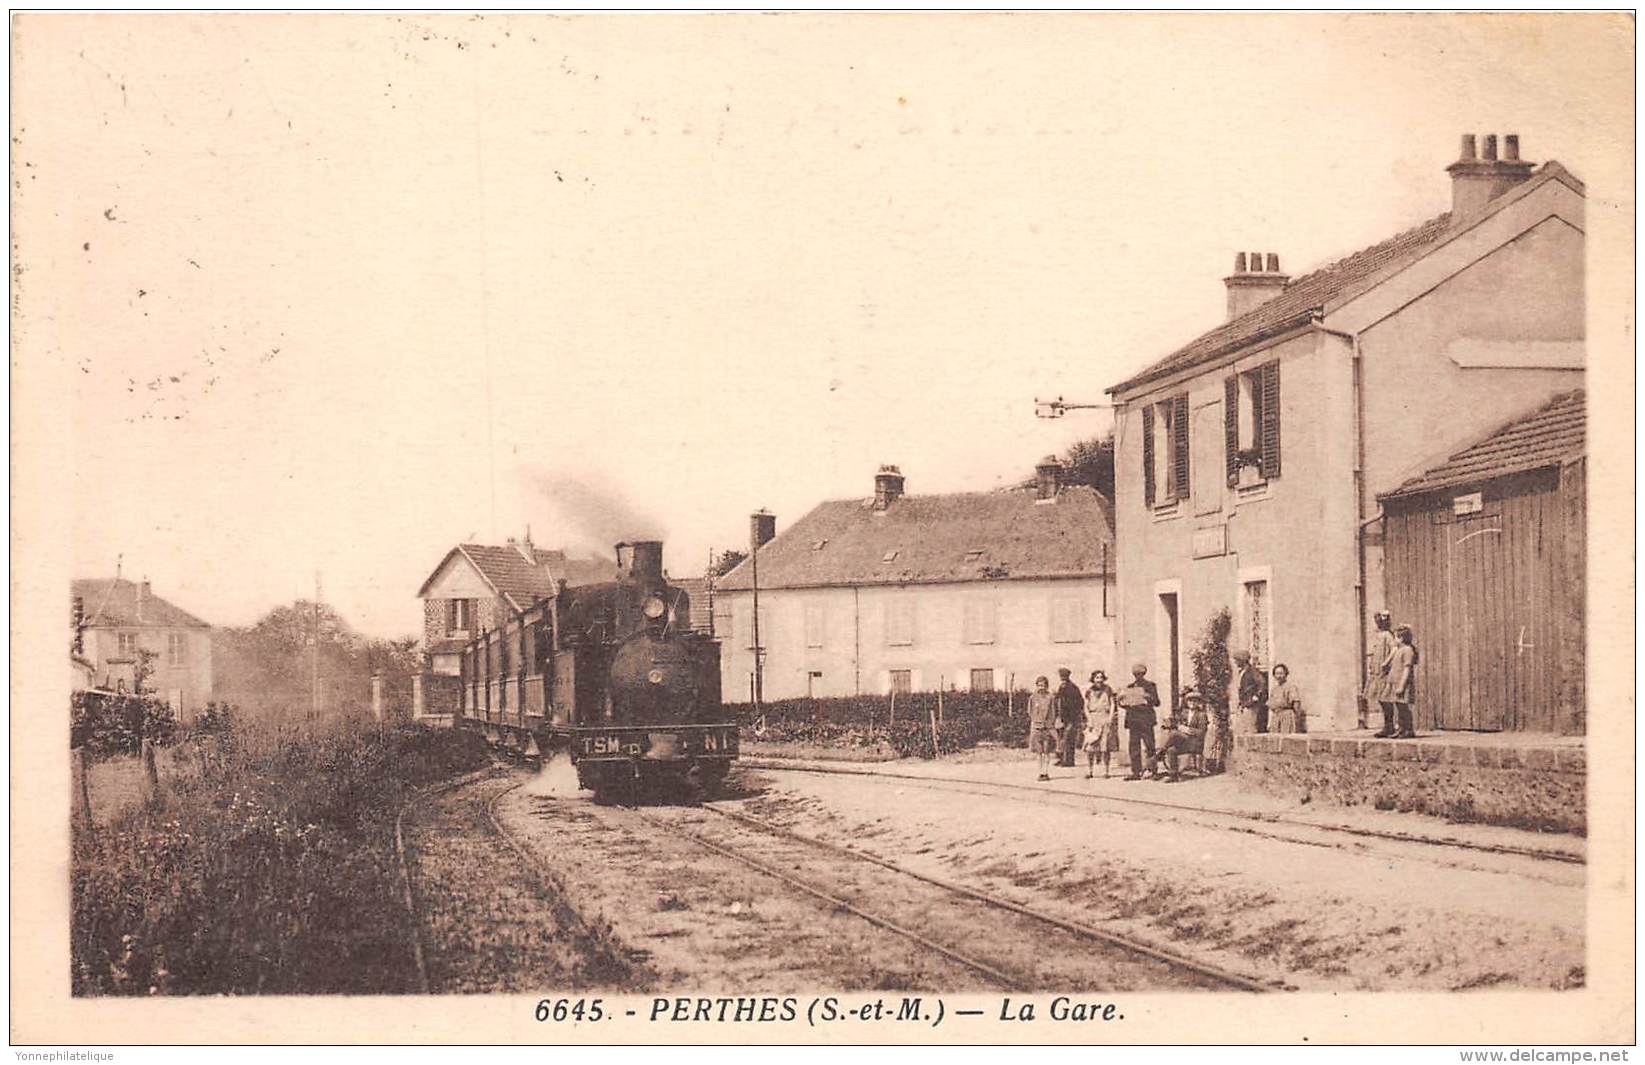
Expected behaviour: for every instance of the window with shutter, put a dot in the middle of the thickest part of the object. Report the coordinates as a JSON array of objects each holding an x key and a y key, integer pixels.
[
  {"x": 899, "y": 622},
  {"x": 1179, "y": 442},
  {"x": 1148, "y": 455},
  {"x": 1230, "y": 425},
  {"x": 814, "y": 624},
  {"x": 979, "y": 620},
  {"x": 1270, "y": 419},
  {"x": 1067, "y": 620}
]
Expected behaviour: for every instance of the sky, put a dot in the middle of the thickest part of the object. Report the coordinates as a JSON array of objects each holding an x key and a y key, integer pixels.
[{"x": 328, "y": 294}]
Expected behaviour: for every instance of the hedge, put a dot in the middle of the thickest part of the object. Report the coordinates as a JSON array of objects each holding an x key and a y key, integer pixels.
[{"x": 864, "y": 721}]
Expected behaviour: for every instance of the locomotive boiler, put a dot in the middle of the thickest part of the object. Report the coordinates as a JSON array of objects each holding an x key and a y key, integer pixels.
[{"x": 612, "y": 676}]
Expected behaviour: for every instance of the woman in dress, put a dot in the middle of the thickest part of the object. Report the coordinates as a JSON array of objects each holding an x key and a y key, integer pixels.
[
  {"x": 1285, "y": 703},
  {"x": 1378, "y": 683},
  {"x": 1102, "y": 725}
]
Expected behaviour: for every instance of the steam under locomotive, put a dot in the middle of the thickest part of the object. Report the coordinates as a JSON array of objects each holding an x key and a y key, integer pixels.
[{"x": 610, "y": 674}]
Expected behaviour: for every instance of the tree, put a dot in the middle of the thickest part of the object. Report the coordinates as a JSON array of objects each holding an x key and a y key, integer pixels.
[
  {"x": 270, "y": 666},
  {"x": 1091, "y": 463},
  {"x": 726, "y": 561}
]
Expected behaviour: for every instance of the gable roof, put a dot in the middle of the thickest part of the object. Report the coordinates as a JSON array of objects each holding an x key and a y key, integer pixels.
[
  {"x": 1548, "y": 436},
  {"x": 1308, "y": 297},
  {"x": 702, "y": 618},
  {"x": 521, "y": 582},
  {"x": 930, "y": 539},
  {"x": 113, "y": 603}
]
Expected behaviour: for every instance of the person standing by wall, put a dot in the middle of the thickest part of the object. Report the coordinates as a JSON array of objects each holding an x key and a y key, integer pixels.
[
  {"x": 1042, "y": 721},
  {"x": 1253, "y": 691},
  {"x": 1138, "y": 699},
  {"x": 1102, "y": 725},
  {"x": 1070, "y": 718},
  {"x": 1379, "y": 680},
  {"x": 1403, "y": 685},
  {"x": 1285, "y": 703}
]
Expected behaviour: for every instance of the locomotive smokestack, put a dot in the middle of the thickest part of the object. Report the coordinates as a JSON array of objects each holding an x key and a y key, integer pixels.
[{"x": 645, "y": 561}]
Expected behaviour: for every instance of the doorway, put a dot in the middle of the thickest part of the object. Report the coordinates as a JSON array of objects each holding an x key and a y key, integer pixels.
[{"x": 1169, "y": 645}]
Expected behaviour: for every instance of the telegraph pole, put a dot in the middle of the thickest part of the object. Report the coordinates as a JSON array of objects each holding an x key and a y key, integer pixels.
[
  {"x": 759, "y": 666},
  {"x": 314, "y": 705}
]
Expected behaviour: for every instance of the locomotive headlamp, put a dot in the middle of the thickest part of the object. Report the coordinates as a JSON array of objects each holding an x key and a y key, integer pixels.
[{"x": 654, "y": 608}]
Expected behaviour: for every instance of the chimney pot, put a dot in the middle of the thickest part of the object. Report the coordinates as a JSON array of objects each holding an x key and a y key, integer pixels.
[
  {"x": 1256, "y": 262},
  {"x": 1239, "y": 263},
  {"x": 1510, "y": 147},
  {"x": 1468, "y": 151},
  {"x": 1273, "y": 263},
  {"x": 1490, "y": 147}
]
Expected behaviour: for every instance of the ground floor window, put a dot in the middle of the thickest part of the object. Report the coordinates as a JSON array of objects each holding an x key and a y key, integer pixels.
[
  {"x": 1257, "y": 627},
  {"x": 902, "y": 681},
  {"x": 982, "y": 680}
]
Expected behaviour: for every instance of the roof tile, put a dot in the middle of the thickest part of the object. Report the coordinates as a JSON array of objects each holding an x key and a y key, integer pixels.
[
  {"x": 1548, "y": 436},
  {"x": 964, "y": 536}
]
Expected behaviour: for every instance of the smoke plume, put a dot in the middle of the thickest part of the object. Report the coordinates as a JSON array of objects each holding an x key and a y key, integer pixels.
[{"x": 594, "y": 516}]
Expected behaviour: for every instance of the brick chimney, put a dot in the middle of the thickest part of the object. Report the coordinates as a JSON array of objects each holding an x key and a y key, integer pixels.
[
  {"x": 142, "y": 597},
  {"x": 887, "y": 487},
  {"x": 762, "y": 526},
  {"x": 1048, "y": 477},
  {"x": 1478, "y": 177},
  {"x": 1253, "y": 282}
]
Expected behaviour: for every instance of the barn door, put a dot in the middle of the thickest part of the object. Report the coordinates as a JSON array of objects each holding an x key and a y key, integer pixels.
[{"x": 1476, "y": 578}]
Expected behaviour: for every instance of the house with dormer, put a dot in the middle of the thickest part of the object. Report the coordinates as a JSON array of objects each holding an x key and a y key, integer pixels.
[
  {"x": 969, "y": 591},
  {"x": 115, "y": 621},
  {"x": 1250, "y": 461}
]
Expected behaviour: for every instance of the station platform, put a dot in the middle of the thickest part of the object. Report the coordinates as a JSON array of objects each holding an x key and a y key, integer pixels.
[{"x": 1520, "y": 780}]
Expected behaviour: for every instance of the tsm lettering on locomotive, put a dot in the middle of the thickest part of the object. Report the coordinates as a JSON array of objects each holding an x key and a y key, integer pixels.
[{"x": 611, "y": 675}]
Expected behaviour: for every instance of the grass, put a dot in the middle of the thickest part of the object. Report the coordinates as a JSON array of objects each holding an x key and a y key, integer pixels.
[{"x": 266, "y": 867}]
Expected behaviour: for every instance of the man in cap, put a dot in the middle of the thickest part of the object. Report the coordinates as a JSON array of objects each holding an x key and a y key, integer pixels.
[
  {"x": 1187, "y": 734},
  {"x": 1138, "y": 699},
  {"x": 1253, "y": 690},
  {"x": 1070, "y": 718}
]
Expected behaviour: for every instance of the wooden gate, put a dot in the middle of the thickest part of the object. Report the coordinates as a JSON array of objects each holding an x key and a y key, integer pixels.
[{"x": 1479, "y": 585}]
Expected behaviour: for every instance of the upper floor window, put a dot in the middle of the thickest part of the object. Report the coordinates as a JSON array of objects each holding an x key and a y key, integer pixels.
[
  {"x": 815, "y": 624},
  {"x": 126, "y": 644},
  {"x": 899, "y": 622},
  {"x": 979, "y": 620},
  {"x": 1165, "y": 451},
  {"x": 1067, "y": 619},
  {"x": 1251, "y": 408},
  {"x": 176, "y": 649},
  {"x": 460, "y": 615}
]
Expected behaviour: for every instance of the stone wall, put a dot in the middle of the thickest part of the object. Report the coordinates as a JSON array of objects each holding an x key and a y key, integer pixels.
[{"x": 1520, "y": 785}]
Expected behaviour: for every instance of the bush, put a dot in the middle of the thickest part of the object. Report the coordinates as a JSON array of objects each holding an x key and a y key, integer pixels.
[
  {"x": 270, "y": 870},
  {"x": 108, "y": 723}
]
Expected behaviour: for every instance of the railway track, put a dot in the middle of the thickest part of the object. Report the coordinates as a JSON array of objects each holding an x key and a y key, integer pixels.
[
  {"x": 598, "y": 950},
  {"x": 782, "y": 851},
  {"x": 1231, "y": 820}
]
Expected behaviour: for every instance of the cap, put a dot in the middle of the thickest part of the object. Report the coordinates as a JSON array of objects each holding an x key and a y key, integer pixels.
[
  {"x": 1139, "y": 668},
  {"x": 1062, "y": 672}
]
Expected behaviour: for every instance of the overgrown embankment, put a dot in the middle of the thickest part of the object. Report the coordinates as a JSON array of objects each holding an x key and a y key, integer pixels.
[{"x": 266, "y": 865}]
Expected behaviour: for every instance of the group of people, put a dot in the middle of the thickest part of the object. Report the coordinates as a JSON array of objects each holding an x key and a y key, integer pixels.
[
  {"x": 1063, "y": 720},
  {"x": 1392, "y": 680}
]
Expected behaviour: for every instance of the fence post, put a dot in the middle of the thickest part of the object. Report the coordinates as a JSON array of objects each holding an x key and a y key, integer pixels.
[
  {"x": 151, "y": 774},
  {"x": 893, "y": 722},
  {"x": 935, "y": 749},
  {"x": 1010, "y": 694},
  {"x": 82, "y": 786},
  {"x": 942, "y": 682}
]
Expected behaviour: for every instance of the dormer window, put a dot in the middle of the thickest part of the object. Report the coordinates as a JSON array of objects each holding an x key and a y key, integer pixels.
[
  {"x": 819, "y": 545},
  {"x": 974, "y": 555},
  {"x": 890, "y": 556}
]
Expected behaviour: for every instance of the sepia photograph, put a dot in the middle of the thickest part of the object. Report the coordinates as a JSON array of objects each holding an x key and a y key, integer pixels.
[{"x": 794, "y": 528}]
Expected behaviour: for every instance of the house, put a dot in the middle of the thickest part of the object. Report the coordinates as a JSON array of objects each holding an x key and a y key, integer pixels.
[
  {"x": 115, "y": 620},
  {"x": 1249, "y": 461},
  {"x": 897, "y": 592},
  {"x": 476, "y": 588},
  {"x": 1484, "y": 556}
]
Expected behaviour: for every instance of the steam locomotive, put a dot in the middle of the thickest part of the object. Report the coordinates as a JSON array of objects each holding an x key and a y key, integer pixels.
[{"x": 612, "y": 675}]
